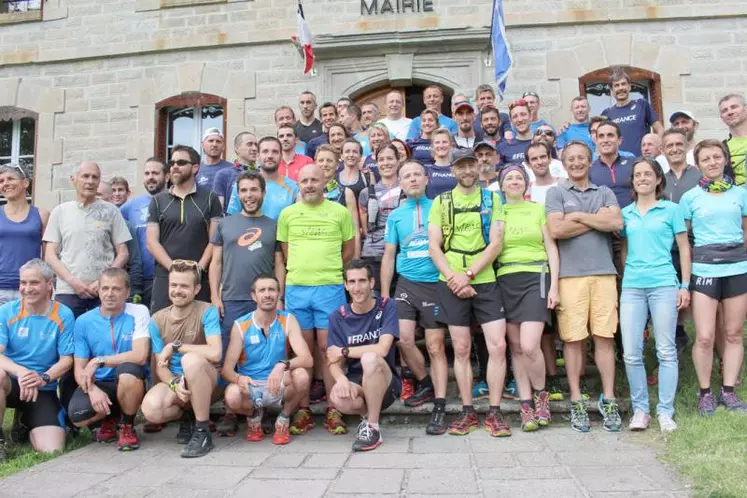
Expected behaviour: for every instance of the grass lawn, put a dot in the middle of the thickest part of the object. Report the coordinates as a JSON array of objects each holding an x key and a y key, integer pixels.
[{"x": 23, "y": 457}]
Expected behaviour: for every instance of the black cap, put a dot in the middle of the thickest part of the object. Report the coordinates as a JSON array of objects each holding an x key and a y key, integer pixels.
[
  {"x": 461, "y": 155},
  {"x": 483, "y": 143}
]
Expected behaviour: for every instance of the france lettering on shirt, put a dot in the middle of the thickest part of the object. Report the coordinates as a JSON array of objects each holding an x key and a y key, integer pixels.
[
  {"x": 421, "y": 150},
  {"x": 635, "y": 120},
  {"x": 440, "y": 180},
  {"x": 513, "y": 151}
]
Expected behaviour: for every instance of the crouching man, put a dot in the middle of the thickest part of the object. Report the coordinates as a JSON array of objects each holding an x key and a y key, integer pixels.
[
  {"x": 111, "y": 348},
  {"x": 186, "y": 339},
  {"x": 257, "y": 366},
  {"x": 362, "y": 335}
]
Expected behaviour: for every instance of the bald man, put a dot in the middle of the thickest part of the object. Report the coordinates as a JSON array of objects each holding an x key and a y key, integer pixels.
[
  {"x": 84, "y": 237},
  {"x": 317, "y": 239}
]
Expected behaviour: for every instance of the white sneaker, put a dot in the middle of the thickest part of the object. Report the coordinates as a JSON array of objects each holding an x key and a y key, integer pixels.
[
  {"x": 667, "y": 424},
  {"x": 640, "y": 421}
]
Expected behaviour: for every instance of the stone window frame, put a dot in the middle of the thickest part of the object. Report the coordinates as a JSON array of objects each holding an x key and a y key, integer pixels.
[
  {"x": 187, "y": 99},
  {"x": 23, "y": 16},
  {"x": 636, "y": 74},
  {"x": 16, "y": 114}
]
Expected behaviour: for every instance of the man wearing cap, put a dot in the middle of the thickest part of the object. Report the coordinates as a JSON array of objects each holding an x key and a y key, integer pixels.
[
  {"x": 734, "y": 115},
  {"x": 463, "y": 232},
  {"x": 464, "y": 113},
  {"x": 578, "y": 129},
  {"x": 395, "y": 120},
  {"x": 433, "y": 98},
  {"x": 487, "y": 161},
  {"x": 214, "y": 145},
  {"x": 685, "y": 121}
]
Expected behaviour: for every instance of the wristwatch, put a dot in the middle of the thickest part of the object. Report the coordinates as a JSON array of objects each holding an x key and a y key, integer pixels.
[
  {"x": 285, "y": 363},
  {"x": 45, "y": 378},
  {"x": 685, "y": 285},
  {"x": 470, "y": 274},
  {"x": 345, "y": 352},
  {"x": 100, "y": 362},
  {"x": 175, "y": 346}
]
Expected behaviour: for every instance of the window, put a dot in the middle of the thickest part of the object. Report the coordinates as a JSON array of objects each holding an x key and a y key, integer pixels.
[
  {"x": 596, "y": 87},
  {"x": 17, "y": 140},
  {"x": 14, "y": 6},
  {"x": 183, "y": 119}
]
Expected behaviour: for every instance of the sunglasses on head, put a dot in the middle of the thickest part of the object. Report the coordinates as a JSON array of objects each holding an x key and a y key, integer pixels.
[
  {"x": 530, "y": 94},
  {"x": 182, "y": 264},
  {"x": 180, "y": 162},
  {"x": 547, "y": 133},
  {"x": 17, "y": 168}
]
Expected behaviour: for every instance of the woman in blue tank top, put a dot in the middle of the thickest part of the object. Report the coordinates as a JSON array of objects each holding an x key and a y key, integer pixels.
[{"x": 21, "y": 229}]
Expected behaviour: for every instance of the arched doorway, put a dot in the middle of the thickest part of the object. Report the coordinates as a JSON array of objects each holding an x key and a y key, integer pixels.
[{"x": 413, "y": 95}]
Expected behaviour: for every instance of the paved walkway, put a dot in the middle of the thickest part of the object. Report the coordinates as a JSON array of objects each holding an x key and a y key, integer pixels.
[{"x": 555, "y": 462}]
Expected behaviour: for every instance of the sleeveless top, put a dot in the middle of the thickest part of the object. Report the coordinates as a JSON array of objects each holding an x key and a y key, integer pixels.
[
  {"x": 19, "y": 243},
  {"x": 261, "y": 353},
  {"x": 358, "y": 186}
]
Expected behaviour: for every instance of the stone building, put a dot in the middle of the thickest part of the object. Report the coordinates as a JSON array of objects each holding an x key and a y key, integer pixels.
[{"x": 118, "y": 81}]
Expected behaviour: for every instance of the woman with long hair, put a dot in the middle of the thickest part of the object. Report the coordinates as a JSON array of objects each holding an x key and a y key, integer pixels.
[{"x": 651, "y": 225}]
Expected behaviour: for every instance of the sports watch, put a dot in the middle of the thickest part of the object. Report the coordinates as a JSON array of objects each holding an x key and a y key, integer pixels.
[
  {"x": 175, "y": 346},
  {"x": 345, "y": 352},
  {"x": 45, "y": 378}
]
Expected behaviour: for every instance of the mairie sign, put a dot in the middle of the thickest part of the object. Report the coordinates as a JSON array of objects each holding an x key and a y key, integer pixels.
[{"x": 382, "y": 7}]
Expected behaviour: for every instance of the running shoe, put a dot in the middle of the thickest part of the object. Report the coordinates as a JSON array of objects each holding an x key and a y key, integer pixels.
[
  {"x": 542, "y": 408},
  {"x": 334, "y": 422},
  {"x": 107, "y": 433},
  {"x": 302, "y": 422},
  {"x": 199, "y": 444},
  {"x": 528, "y": 418},
  {"x": 228, "y": 425},
  {"x": 465, "y": 423},
  {"x": 555, "y": 389},
  {"x": 19, "y": 433},
  {"x": 610, "y": 411},
  {"x": 639, "y": 421},
  {"x": 282, "y": 432},
  {"x": 706, "y": 404},
  {"x": 368, "y": 438},
  {"x": 495, "y": 425},
  {"x": 579, "y": 416},
  {"x": 150, "y": 428},
  {"x": 437, "y": 424},
  {"x": 480, "y": 390},
  {"x": 3, "y": 451},
  {"x": 254, "y": 429},
  {"x": 584, "y": 388},
  {"x": 667, "y": 424},
  {"x": 731, "y": 401},
  {"x": 509, "y": 392},
  {"x": 186, "y": 427},
  {"x": 422, "y": 395},
  {"x": 317, "y": 393},
  {"x": 128, "y": 439},
  {"x": 559, "y": 358},
  {"x": 408, "y": 389},
  {"x": 652, "y": 380}
]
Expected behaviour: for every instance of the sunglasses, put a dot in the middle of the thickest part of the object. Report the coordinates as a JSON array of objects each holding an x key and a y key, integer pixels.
[
  {"x": 547, "y": 133},
  {"x": 180, "y": 162},
  {"x": 185, "y": 264},
  {"x": 17, "y": 168},
  {"x": 530, "y": 94}
]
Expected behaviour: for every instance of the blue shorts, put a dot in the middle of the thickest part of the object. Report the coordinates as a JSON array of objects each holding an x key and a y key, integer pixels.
[{"x": 312, "y": 305}]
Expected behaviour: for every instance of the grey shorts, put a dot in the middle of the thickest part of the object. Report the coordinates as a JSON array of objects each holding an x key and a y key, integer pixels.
[{"x": 268, "y": 400}]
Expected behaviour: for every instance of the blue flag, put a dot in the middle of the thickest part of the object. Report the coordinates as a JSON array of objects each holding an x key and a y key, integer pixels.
[{"x": 502, "y": 59}]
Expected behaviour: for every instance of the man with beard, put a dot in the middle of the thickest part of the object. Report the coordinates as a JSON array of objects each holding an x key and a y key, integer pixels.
[
  {"x": 578, "y": 129},
  {"x": 244, "y": 248},
  {"x": 180, "y": 223},
  {"x": 733, "y": 112},
  {"x": 464, "y": 113},
  {"x": 317, "y": 239},
  {"x": 634, "y": 117},
  {"x": 463, "y": 232},
  {"x": 485, "y": 99},
  {"x": 245, "y": 147},
  {"x": 512, "y": 151},
  {"x": 396, "y": 122},
  {"x": 135, "y": 211},
  {"x": 433, "y": 98},
  {"x": 290, "y": 162},
  {"x": 681, "y": 120},
  {"x": 307, "y": 127},
  {"x": 328, "y": 115},
  {"x": 186, "y": 337},
  {"x": 214, "y": 145},
  {"x": 281, "y": 190},
  {"x": 490, "y": 124},
  {"x": 487, "y": 159}
]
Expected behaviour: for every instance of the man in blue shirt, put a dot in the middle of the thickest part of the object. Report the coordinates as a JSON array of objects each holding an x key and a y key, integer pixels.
[
  {"x": 533, "y": 103},
  {"x": 328, "y": 116},
  {"x": 135, "y": 211},
  {"x": 111, "y": 348},
  {"x": 513, "y": 151},
  {"x": 213, "y": 146},
  {"x": 245, "y": 147},
  {"x": 281, "y": 191},
  {"x": 579, "y": 128},
  {"x": 186, "y": 339},
  {"x": 362, "y": 335},
  {"x": 634, "y": 117},
  {"x": 433, "y": 98},
  {"x": 36, "y": 348},
  {"x": 611, "y": 168},
  {"x": 406, "y": 240}
]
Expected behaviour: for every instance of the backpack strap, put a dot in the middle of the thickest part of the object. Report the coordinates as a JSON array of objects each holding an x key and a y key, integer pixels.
[
  {"x": 486, "y": 210},
  {"x": 447, "y": 219}
]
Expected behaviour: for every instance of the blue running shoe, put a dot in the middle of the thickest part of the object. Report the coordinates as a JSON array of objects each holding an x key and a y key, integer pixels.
[{"x": 480, "y": 390}]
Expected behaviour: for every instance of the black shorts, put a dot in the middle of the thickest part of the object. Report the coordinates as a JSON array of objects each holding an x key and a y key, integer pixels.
[
  {"x": 720, "y": 288},
  {"x": 551, "y": 327},
  {"x": 485, "y": 307},
  {"x": 392, "y": 392},
  {"x": 45, "y": 411},
  {"x": 522, "y": 296},
  {"x": 80, "y": 409},
  {"x": 417, "y": 301}
]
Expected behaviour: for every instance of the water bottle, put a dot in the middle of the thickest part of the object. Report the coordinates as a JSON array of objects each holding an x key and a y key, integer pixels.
[
  {"x": 256, "y": 395},
  {"x": 373, "y": 211}
]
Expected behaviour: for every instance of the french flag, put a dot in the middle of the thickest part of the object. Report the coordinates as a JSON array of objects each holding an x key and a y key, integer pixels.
[{"x": 304, "y": 40}]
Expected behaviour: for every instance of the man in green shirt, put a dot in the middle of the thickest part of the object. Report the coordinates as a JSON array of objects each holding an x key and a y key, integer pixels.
[
  {"x": 464, "y": 233},
  {"x": 317, "y": 238}
]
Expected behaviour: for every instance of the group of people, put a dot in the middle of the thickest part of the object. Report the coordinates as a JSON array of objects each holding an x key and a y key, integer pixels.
[{"x": 305, "y": 270}]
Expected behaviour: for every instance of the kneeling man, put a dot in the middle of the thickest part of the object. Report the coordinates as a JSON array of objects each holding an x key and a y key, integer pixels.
[
  {"x": 111, "y": 348},
  {"x": 186, "y": 339},
  {"x": 257, "y": 365},
  {"x": 362, "y": 335}
]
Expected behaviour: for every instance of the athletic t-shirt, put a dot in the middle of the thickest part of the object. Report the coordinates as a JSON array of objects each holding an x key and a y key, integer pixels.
[
  {"x": 349, "y": 329},
  {"x": 523, "y": 241},
  {"x": 421, "y": 150},
  {"x": 136, "y": 212},
  {"x": 249, "y": 248},
  {"x": 97, "y": 335},
  {"x": 399, "y": 127},
  {"x": 36, "y": 341},
  {"x": 513, "y": 151},
  {"x": 315, "y": 235},
  {"x": 443, "y": 122},
  {"x": 20, "y": 241},
  {"x": 737, "y": 153},
  {"x": 634, "y": 119},
  {"x": 716, "y": 219},
  {"x": 440, "y": 180},
  {"x": 205, "y": 177},
  {"x": 278, "y": 196},
  {"x": 538, "y": 193},
  {"x": 407, "y": 228},
  {"x": 261, "y": 353},
  {"x": 467, "y": 232},
  {"x": 388, "y": 199},
  {"x": 306, "y": 133},
  {"x": 575, "y": 131}
]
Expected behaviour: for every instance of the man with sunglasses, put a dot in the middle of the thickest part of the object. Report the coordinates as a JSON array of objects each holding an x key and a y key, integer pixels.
[
  {"x": 546, "y": 134},
  {"x": 181, "y": 221}
]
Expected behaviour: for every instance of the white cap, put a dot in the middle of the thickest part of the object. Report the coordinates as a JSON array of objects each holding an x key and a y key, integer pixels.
[
  {"x": 681, "y": 113},
  {"x": 212, "y": 132}
]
